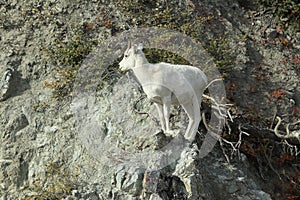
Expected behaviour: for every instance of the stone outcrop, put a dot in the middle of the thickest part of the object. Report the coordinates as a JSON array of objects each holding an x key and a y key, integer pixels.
[{"x": 46, "y": 150}]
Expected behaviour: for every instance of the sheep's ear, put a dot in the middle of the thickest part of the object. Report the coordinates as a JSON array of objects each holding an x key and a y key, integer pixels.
[{"x": 140, "y": 46}]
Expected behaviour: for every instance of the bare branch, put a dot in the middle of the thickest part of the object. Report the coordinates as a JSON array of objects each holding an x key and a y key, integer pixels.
[
  {"x": 291, "y": 149},
  {"x": 222, "y": 108},
  {"x": 289, "y": 135}
]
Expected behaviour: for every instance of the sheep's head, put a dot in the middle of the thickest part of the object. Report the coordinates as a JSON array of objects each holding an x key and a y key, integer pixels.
[{"x": 130, "y": 58}]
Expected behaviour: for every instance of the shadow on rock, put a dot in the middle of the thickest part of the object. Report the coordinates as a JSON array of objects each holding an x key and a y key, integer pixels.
[{"x": 12, "y": 84}]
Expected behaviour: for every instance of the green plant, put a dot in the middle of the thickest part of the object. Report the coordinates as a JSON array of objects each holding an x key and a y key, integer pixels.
[
  {"x": 147, "y": 13},
  {"x": 62, "y": 85},
  {"x": 71, "y": 52},
  {"x": 221, "y": 52},
  {"x": 40, "y": 107},
  {"x": 68, "y": 54}
]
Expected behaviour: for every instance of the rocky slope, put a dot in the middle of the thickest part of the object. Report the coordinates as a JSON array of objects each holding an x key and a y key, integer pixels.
[{"x": 44, "y": 152}]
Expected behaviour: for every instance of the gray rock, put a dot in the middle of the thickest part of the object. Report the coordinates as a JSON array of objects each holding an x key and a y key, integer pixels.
[
  {"x": 233, "y": 188},
  {"x": 133, "y": 184},
  {"x": 155, "y": 197},
  {"x": 69, "y": 198},
  {"x": 130, "y": 180},
  {"x": 75, "y": 193},
  {"x": 6, "y": 80},
  {"x": 30, "y": 140},
  {"x": 188, "y": 173},
  {"x": 16, "y": 124},
  {"x": 90, "y": 196},
  {"x": 258, "y": 195},
  {"x": 120, "y": 177}
]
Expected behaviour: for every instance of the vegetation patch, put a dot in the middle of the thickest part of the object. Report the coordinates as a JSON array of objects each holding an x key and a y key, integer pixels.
[
  {"x": 285, "y": 11},
  {"x": 57, "y": 184},
  {"x": 68, "y": 54},
  {"x": 154, "y": 55},
  {"x": 190, "y": 19}
]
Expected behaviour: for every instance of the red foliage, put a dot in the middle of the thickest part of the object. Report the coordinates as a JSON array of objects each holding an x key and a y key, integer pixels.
[
  {"x": 263, "y": 41},
  {"x": 108, "y": 23},
  {"x": 88, "y": 26},
  {"x": 283, "y": 60},
  {"x": 284, "y": 41},
  {"x": 285, "y": 158},
  {"x": 230, "y": 89},
  {"x": 277, "y": 94},
  {"x": 296, "y": 60}
]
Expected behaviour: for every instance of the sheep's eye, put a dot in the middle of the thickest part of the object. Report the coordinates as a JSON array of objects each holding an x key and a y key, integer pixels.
[{"x": 126, "y": 56}]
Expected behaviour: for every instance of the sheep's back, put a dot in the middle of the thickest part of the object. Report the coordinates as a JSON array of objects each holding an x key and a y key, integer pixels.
[{"x": 193, "y": 75}]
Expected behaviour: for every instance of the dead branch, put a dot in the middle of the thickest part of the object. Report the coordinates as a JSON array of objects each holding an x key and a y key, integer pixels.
[
  {"x": 289, "y": 135},
  {"x": 234, "y": 145},
  {"x": 291, "y": 149},
  {"x": 221, "y": 108},
  {"x": 261, "y": 132}
]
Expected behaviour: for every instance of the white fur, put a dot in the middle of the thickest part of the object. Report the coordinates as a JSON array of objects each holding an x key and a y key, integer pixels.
[{"x": 166, "y": 84}]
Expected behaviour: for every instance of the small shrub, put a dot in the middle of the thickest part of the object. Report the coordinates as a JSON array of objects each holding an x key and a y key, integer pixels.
[
  {"x": 71, "y": 52},
  {"x": 40, "y": 107},
  {"x": 68, "y": 54},
  {"x": 221, "y": 52},
  {"x": 57, "y": 184},
  {"x": 62, "y": 85}
]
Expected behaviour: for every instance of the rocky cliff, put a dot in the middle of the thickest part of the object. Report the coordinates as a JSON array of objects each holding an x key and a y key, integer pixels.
[{"x": 111, "y": 150}]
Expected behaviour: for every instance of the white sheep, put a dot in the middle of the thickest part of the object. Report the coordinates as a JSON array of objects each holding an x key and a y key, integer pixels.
[{"x": 166, "y": 84}]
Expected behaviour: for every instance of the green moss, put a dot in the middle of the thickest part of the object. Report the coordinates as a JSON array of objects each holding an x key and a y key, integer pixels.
[
  {"x": 109, "y": 76},
  {"x": 62, "y": 85},
  {"x": 145, "y": 13}
]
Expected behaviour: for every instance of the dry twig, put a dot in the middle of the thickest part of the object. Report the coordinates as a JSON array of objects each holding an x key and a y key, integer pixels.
[{"x": 289, "y": 135}]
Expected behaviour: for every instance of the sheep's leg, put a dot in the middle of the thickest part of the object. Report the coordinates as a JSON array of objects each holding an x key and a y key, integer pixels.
[
  {"x": 194, "y": 119},
  {"x": 188, "y": 108},
  {"x": 166, "y": 109},
  {"x": 161, "y": 116}
]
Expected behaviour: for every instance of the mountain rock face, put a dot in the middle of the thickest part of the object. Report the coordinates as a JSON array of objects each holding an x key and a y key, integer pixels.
[{"x": 108, "y": 144}]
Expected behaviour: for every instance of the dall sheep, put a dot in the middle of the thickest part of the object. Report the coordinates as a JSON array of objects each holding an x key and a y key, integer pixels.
[{"x": 166, "y": 84}]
